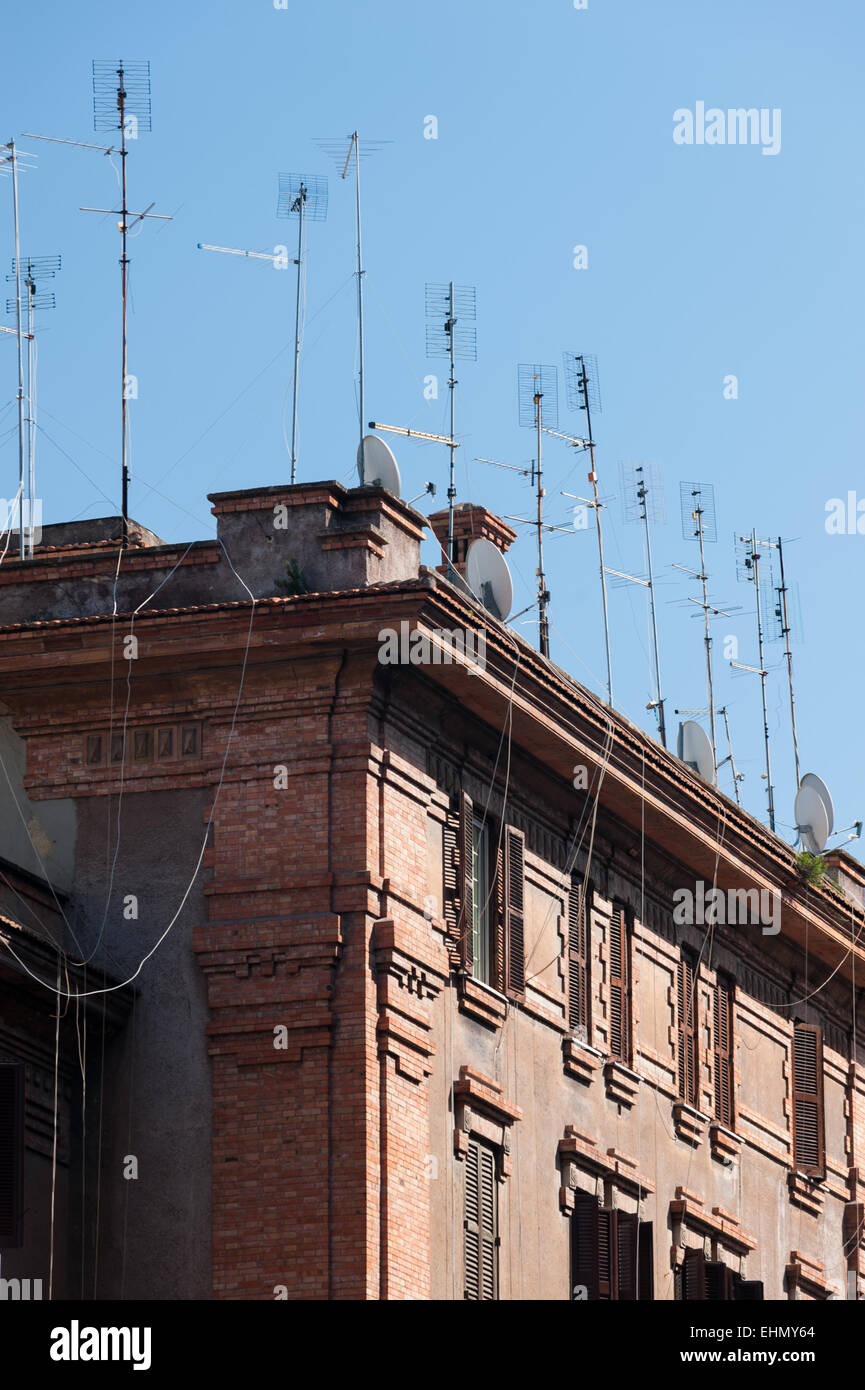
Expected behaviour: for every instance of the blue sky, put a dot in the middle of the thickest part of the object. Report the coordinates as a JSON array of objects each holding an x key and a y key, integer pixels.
[{"x": 555, "y": 129}]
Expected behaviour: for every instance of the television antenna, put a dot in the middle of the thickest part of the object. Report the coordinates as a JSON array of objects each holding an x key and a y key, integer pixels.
[
  {"x": 583, "y": 393},
  {"x": 538, "y": 400},
  {"x": 121, "y": 101},
  {"x": 12, "y": 157},
  {"x": 697, "y": 503},
  {"x": 343, "y": 157},
  {"x": 785, "y": 620},
  {"x": 448, "y": 306},
  {"x": 301, "y": 198},
  {"x": 749, "y": 568},
  {"x": 35, "y": 270},
  {"x": 643, "y": 500}
]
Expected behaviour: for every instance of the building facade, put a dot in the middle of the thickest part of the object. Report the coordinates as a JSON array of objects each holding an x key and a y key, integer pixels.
[{"x": 425, "y": 974}]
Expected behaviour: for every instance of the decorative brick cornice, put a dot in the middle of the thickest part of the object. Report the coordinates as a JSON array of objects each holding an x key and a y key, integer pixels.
[
  {"x": 580, "y": 1153},
  {"x": 807, "y": 1275},
  {"x": 411, "y": 969},
  {"x": 481, "y": 1002},
  {"x": 622, "y": 1084},
  {"x": 688, "y": 1210},
  {"x": 480, "y": 1107},
  {"x": 581, "y": 1061},
  {"x": 805, "y": 1193},
  {"x": 690, "y": 1125},
  {"x": 726, "y": 1146}
]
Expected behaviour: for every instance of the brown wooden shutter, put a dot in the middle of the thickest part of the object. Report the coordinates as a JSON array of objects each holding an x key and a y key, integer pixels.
[
  {"x": 646, "y": 1263},
  {"x": 515, "y": 920},
  {"x": 627, "y": 1242},
  {"x": 620, "y": 1024},
  {"x": 687, "y": 1030},
  {"x": 808, "y": 1147},
  {"x": 719, "y": 1281},
  {"x": 723, "y": 1053},
  {"x": 608, "y": 1253},
  {"x": 747, "y": 1291},
  {"x": 11, "y": 1155},
  {"x": 694, "y": 1276},
  {"x": 467, "y": 911},
  {"x": 579, "y": 979},
  {"x": 584, "y": 1245},
  {"x": 480, "y": 1224}
]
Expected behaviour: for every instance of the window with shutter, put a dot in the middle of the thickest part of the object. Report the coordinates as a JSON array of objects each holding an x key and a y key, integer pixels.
[
  {"x": 808, "y": 1145},
  {"x": 611, "y": 1252},
  {"x": 579, "y": 978},
  {"x": 722, "y": 1040},
  {"x": 693, "y": 1276},
  {"x": 687, "y": 1030},
  {"x": 11, "y": 1155},
  {"x": 466, "y": 857},
  {"x": 482, "y": 901},
  {"x": 619, "y": 987},
  {"x": 699, "y": 1278},
  {"x": 480, "y": 1223},
  {"x": 515, "y": 921}
]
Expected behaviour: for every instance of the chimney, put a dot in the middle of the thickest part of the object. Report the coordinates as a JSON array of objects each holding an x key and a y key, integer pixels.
[{"x": 471, "y": 522}]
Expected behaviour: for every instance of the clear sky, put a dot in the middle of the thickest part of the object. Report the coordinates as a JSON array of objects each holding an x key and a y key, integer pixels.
[{"x": 554, "y": 130}]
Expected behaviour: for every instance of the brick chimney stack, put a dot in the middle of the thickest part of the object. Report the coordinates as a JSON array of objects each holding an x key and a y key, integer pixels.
[{"x": 471, "y": 521}]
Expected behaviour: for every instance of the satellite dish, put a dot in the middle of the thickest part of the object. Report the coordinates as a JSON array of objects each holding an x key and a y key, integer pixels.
[
  {"x": 489, "y": 577},
  {"x": 812, "y": 820},
  {"x": 819, "y": 786},
  {"x": 695, "y": 750},
  {"x": 376, "y": 465}
]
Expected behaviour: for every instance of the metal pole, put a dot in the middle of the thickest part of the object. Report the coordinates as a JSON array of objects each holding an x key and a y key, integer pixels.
[
  {"x": 704, "y": 578},
  {"x": 20, "y": 330},
  {"x": 732, "y": 762},
  {"x": 301, "y": 203},
  {"x": 452, "y": 490},
  {"x": 593, "y": 479},
  {"x": 755, "y": 552},
  {"x": 121, "y": 102},
  {"x": 359, "y": 298},
  {"x": 662, "y": 728},
  {"x": 542, "y": 586},
  {"x": 31, "y": 418},
  {"x": 789, "y": 655}
]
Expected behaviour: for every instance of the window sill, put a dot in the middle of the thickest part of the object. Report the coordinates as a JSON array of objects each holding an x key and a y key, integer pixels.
[
  {"x": 726, "y": 1146},
  {"x": 622, "y": 1084},
  {"x": 689, "y": 1123},
  {"x": 581, "y": 1060},
  {"x": 481, "y": 1002},
  {"x": 805, "y": 1192}
]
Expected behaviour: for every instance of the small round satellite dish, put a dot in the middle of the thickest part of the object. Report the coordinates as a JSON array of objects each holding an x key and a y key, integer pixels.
[
  {"x": 812, "y": 822},
  {"x": 489, "y": 577},
  {"x": 819, "y": 786},
  {"x": 695, "y": 749},
  {"x": 376, "y": 465}
]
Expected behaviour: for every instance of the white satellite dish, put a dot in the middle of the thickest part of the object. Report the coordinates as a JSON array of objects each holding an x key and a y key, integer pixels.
[
  {"x": 489, "y": 577},
  {"x": 819, "y": 786},
  {"x": 812, "y": 820},
  {"x": 695, "y": 750},
  {"x": 376, "y": 465}
]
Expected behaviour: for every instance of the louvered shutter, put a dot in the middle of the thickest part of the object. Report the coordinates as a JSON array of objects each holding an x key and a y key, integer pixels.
[
  {"x": 646, "y": 1263},
  {"x": 578, "y": 961},
  {"x": 719, "y": 1281},
  {"x": 694, "y": 1276},
  {"x": 723, "y": 1053},
  {"x": 627, "y": 1242},
  {"x": 515, "y": 920},
  {"x": 618, "y": 987},
  {"x": 11, "y": 1155},
  {"x": 748, "y": 1291},
  {"x": 608, "y": 1253},
  {"x": 687, "y": 1031},
  {"x": 808, "y": 1099},
  {"x": 584, "y": 1245},
  {"x": 480, "y": 1224},
  {"x": 467, "y": 909}
]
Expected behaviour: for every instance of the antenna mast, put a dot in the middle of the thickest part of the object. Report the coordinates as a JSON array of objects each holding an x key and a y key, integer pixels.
[
  {"x": 12, "y": 160},
  {"x": 701, "y": 515},
  {"x": 583, "y": 394},
  {"x": 534, "y": 382},
  {"x": 750, "y": 572},
  {"x": 785, "y": 633},
  {"x": 35, "y": 269},
  {"x": 300, "y": 198},
  {"x": 646, "y": 483},
  {"x": 451, "y": 342}
]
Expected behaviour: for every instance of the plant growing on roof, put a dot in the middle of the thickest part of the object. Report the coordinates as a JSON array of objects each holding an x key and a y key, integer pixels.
[{"x": 295, "y": 581}]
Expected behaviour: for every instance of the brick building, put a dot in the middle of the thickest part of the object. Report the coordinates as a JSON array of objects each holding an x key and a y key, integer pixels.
[{"x": 374, "y": 979}]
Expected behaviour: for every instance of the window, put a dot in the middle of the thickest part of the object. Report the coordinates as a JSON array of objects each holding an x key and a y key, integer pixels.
[
  {"x": 579, "y": 968},
  {"x": 808, "y": 1144},
  {"x": 698, "y": 1279},
  {"x": 481, "y": 1223},
  {"x": 722, "y": 1050},
  {"x": 481, "y": 901},
  {"x": 620, "y": 986},
  {"x": 611, "y": 1253},
  {"x": 11, "y": 1155},
  {"x": 687, "y": 1030},
  {"x": 515, "y": 920}
]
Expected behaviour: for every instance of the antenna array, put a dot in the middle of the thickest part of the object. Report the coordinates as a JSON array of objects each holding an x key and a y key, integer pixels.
[
  {"x": 304, "y": 199},
  {"x": 33, "y": 271},
  {"x": 751, "y": 570},
  {"x": 448, "y": 307}
]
